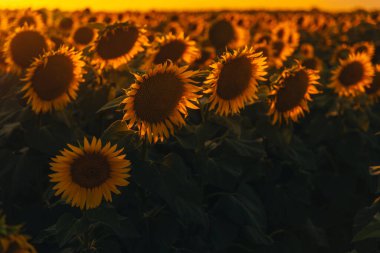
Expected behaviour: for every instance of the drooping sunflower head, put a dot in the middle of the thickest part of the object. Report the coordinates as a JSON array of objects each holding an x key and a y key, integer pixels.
[
  {"x": 16, "y": 243},
  {"x": 291, "y": 93},
  {"x": 373, "y": 91},
  {"x": 224, "y": 33},
  {"x": 85, "y": 174},
  {"x": 83, "y": 36},
  {"x": 364, "y": 47},
  {"x": 233, "y": 81},
  {"x": 353, "y": 75},
  {"x": 53, "y": 79},
  {"x": 158, "y": 101},
  {"x": 174, "y": 48},
  {"x": 117, "y": 44},
  {"x": 23, "y": 45}
]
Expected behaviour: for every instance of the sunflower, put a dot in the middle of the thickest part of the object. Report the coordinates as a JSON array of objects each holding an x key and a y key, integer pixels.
[
  {"x": 66, "y": 24},
  {"x": 118, "y": 44},
  {"x": 158, "y": 100},
  {"x": 173, "y": 28},
  {"x": 23, "y": 45},
  {"x": 232, "y": 82},
  {"x": 365, "y": 48},
  {"x": 353, "y": 75},
  {"x": 280, "y": 51},
  {"x": 224, "y": 33},
  {"x": 307, "y": 50},
  {"x": 291, "y": 93},
  {"x": 174, "y": 48},
  {"x": 82, "y": 36},
  {"x": 16, "y": 243},
  {"x": 29, "y": 18},
  {"x": 281, "y": 31},
  {"x": 86, "y": 174},
  {"x": 53, "y": 79},
  {"x": 194, "y": 26},
  {"x": 373, "y": 91},
  {"x": 340, "y": 53}
]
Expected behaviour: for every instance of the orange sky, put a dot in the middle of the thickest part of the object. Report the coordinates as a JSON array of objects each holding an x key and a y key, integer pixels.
[{"x": 190, "y": 4}]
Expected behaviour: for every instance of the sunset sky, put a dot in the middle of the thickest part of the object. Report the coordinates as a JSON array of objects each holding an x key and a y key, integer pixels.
[{"x": 190, "y": 4}]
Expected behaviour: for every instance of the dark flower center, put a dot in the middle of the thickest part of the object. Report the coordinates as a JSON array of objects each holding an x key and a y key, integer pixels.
[
  {"x": 278, "y": 47},
  {"x": 293, "y": 91},
  {"x": 171, "y": 51},
  {"x": 83, "y": 35},
  {"x": 351, "y": 74},
  {"x": 117, "y": 43},
  {"x": 221, "y": 34},
  {"x": 90, "y": 170},
  {"x": 375, "y": 85},
  {"x": 66, "y": 24},
  {"x": 53, "y": 79},
  {"x": 234, "y": 78},
  {"x": 26, "y": 46},
  {"x": 158, "y": 97}
]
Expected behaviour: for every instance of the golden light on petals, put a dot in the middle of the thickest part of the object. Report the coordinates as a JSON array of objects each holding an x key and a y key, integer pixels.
[
  {"x": 118, "y": 44},
  {"x": 16, "y": 243},
  {"x": 364, "y": 47},
  {"x": 352, "y": 76},
  {"x": 373, "y": 90},
  {"x": 280, "y": 51},
  {"x": 30, "y": 19},
  {"x": 24, "y": 45},
  {"x": 84, "y": 175},
  {"x": 83, "y": 36},
  {"x": 233, "y": 81},
  {"x": 291, "y": 93},
  {"x": 53, "y": 79},
  {"x": 159, "y": 100},
  {"x": 174, "y": 48}
]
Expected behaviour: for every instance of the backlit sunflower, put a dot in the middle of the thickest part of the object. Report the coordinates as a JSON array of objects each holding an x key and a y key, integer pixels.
[
  {"x": 280, "y": 51},
  {"x": 174, "y": 48},
  {"x": 291, "y": 94},
  {"x": 224, "y": 33},
  {"x": 340, "y": 53},
  {"x": 373, "y": 91},
  {"x": 364, "y": 47},
  {"x": 174, "y": 28},
  {"x": 233, "y": 81},
  {"x": 83, "y": 36},
  {"x": 84, "y": 175},
  {"x": 307, "y": 50},
  {"x": 194, "y": 26},
  {"x": 29, "y": 18},
  {"x": 53, "y": 79},
  {"x": 157, "y": 102},
  {"x": 313, "y": 63},
  {"x": 22, "y": 46},
  {"x": 118, "y": 44},
  {"x": 353, "y": 75}
]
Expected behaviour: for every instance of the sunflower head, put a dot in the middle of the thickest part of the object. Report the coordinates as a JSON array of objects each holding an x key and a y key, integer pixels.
[
  {"x": 53, "y": 79},
  {"x": 23, "y": 46},
  {"x": 66, "y": 24},
  {"x": 313, "y": 63},
  {"x": 83, "y": 36},
  {"x": 158, "y": 101},
  {"x": 83, "y": 175},
  {"x": 224, "y": 33},
  {"x": 117, "y": 44},
  {"x": 174, "y": 48},
  {"x": 364, "y": 47},
  {"x": 291, "y": 93},
  {"x": 29, "y": 18},
  {"x": 307, "y": 50},
  {"x": 353, "y": 75},
  {"x": 16, "y": 243},
  {"x": 233, "y": 81},
  {"x": 340, "y": 53},
  {"x": 280, "y": 51}
]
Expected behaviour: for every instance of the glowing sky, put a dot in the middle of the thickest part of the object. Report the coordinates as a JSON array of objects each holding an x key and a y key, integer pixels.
[{"x": 190, "y": 4}]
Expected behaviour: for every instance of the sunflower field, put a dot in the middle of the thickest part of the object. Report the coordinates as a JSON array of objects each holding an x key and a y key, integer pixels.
[{"x": 189, "y": 132}]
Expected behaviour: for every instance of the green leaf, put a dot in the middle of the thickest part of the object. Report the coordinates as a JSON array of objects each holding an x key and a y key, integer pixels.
[
  {"x": 372, "y": 230},
  {"x": 113, "y": 104}
]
